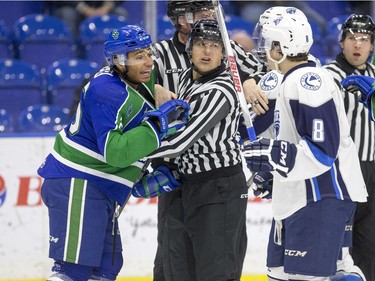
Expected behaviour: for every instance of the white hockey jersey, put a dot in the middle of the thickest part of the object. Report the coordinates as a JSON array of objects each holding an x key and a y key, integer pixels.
[{"x": 309, "y": 112}]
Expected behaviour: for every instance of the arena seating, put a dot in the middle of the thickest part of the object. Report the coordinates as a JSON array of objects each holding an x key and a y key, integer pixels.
[
  {"x": 20, "y": 86},
  {"x": 64, "y": 77},
  {"x": 93, "y": 32},
  {"x": 43, "y": 39},
  {"x": 43, "y": 118}
]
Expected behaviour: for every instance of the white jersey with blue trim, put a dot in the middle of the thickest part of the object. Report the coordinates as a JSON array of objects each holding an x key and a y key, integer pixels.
[{"x": 309, "y": 112}]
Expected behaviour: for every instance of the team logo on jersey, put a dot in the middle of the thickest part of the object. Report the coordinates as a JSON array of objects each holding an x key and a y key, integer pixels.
[
  {"x": 269, "y": 82},
  {"x": 311, "y": 81}
]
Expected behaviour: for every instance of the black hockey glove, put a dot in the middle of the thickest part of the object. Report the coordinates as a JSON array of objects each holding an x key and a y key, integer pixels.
[{"x": 270, "y": 155}]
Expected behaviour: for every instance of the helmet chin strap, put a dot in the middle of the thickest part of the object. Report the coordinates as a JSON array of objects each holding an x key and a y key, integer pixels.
[{"x": 275, "y": 62}]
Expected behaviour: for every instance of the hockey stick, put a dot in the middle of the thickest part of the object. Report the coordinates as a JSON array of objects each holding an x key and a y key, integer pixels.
[{"x": 234, "y": 70}]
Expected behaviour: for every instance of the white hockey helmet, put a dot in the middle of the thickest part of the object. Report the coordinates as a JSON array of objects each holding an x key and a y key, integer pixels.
[
  {"x": 265, "y": 18},
  {"x": 293, "y": 33}
]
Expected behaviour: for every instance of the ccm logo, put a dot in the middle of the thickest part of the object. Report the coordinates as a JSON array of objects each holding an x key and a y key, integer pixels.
[{"x": 294, "y": 253}]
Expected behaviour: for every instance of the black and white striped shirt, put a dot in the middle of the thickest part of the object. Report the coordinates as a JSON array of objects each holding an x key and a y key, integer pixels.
[
  {"x": 362, "y": 130},
  {"x": 173, "y": 59},
  {"x": 209, "y": 141}
]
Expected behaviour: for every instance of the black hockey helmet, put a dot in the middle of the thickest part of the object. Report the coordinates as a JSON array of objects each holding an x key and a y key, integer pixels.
[
  {"x": 201, "y": 5},
  {"x": 203, "y": 29},
  {"x": 358, "y": 23},
  {"x": 176, "y": 9},
  {"x": 186, "y": 8}
]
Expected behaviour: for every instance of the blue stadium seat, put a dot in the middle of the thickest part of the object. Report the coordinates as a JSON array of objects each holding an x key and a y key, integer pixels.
[
  {"x": 20, "y": 86},
  {"x": 43, "y": 118},
  {"x": 6, "y": 122},
  {"x": 6, "y": 46},
  {"x": 63, "y": 78},
  {"x": 93, "y": 32},
  {"x": 43, "y": 39}
]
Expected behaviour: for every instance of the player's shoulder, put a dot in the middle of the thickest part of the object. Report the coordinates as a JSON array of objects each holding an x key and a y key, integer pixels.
[{"x": 269, "y": 83}]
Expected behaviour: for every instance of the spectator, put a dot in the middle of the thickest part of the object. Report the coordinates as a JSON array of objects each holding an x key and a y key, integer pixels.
[{"x": 74, "y": 12}]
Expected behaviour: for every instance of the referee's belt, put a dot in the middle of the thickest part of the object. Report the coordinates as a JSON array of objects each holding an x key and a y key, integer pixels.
[{"x": 212, "y": 174}]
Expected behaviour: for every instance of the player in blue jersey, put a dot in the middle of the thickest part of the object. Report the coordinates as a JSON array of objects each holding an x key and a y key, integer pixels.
[
  {"x": 95, "y": 159},
  {"x": 316, "y": 170}
]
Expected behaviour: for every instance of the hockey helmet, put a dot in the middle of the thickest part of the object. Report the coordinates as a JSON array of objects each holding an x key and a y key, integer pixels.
[
  {"x": 203, "y": 29},
  {"x": 269, "y": 15},
  {"x": 292, "y": 32},
  {"x": 358, "y": 23},
  {"x": 124, "y": 40}
]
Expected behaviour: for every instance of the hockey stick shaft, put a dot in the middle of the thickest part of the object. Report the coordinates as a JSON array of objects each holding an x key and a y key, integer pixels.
[
  {"x": 234, "y": 70},
  {"x": 140, "y": 176}
]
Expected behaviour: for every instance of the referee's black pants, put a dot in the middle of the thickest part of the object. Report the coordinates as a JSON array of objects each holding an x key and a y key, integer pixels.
[
  {"x": 363, "y": 250},
  {"x": 205, "y": 231}
]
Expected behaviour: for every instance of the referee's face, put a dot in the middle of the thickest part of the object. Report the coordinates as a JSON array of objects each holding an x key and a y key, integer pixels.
[
  {"x": 357, "y": 48},
  {"x": 206, "y": 54}
]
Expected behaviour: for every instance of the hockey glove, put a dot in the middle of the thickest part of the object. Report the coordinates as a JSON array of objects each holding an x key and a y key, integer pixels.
[
  {"x": 261, "y": 184},
  {"x": 153, "y": 184},
  {"x": 366, "y": 85},
  {"x": 270, "y": 155},
  {"x": 169, "y": 117}
]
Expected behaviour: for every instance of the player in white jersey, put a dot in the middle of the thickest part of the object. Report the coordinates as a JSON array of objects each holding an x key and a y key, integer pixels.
[{"x": 311, "y": 157}]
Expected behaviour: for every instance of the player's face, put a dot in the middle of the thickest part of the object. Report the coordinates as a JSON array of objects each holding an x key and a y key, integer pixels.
[
  {"x": 139, "y": 65},
  {"x": 357, "y": 48},
  {"x": 206, "y": 54}
]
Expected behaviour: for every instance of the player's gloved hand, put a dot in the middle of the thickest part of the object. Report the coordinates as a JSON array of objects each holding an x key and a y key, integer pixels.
[
  {"x": 261, "y": 184},
  {"x": 153, "y": 184},
  {"x": 270, "y": 155},
  {"x": 365, "y": 84},
  {"x": 169, "y": 117}
]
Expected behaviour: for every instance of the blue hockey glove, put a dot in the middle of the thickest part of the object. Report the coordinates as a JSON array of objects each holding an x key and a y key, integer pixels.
[
  {"x": 170, "y": 117},
  {"x": 270, "y": 155},
  {"x": 366, "y": 85},
  {"x": 153, "y": 184},
  {"x": 261, "y": 184}
]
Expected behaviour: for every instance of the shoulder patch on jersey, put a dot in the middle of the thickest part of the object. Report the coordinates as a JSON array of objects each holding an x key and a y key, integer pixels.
[
  {"x": 311, "y": 81},
  {"x": 269, "y": 81}
]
